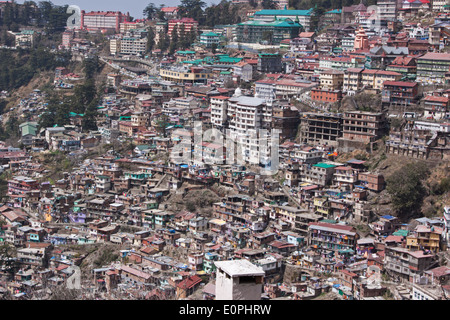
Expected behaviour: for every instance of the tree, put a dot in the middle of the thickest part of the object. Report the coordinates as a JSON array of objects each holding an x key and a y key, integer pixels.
[
  {"x": 268, "y": 4},
  {"x": 150, "y": 11},
  {"x": 406, "y": 189},
  {"x": 150, "y": 40},
  {"x": 192, "y": 9},
  {"x": 8, "y": 262},
  {"x": 174, "y": 41},
  {"x": 161, "y": 125}
]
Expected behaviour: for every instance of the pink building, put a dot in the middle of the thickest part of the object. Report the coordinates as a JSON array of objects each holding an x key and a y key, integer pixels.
[
  {"x": 103, "y": 20},
  {"x": 189, "y": 24}
]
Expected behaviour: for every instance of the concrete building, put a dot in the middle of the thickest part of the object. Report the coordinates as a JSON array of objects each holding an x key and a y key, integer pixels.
[
  {"x": 432, "y": 67},
  {"x": 103, "y": 20},
  {"x": 302, "y": 16},
  {"x": 238, "y": 280}
]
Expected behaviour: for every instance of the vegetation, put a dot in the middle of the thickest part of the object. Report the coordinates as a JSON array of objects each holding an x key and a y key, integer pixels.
[
  {"x": 17, "y": 68},
  {"x": 406, "y": 188}
]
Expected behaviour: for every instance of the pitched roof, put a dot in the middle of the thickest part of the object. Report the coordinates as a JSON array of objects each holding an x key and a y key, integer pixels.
[{"x": 190, "y": 282}]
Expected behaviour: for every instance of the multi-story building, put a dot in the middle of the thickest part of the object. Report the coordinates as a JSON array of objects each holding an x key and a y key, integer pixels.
[
  {"x": 436, "y": 107},
  {"x": 439, "y": 5},
  {"x": 387, "y": 9},
  {"x": 273, "y": 31},
  {"x": 246, "y": 116},
  {"x": 352, "y": 80},
  {"x": 219, "y": 106},
  {"x": 432, "y": 67},
  {"x": 188, "y": 24},
  {"x": 331, "y": 79},
  {"x": 238, "y": 280},
  {"x": 411, "y": 143},
  {"x": 103, "y": 20},
  {"x": 405, "y": 66},
  {"x": 133, "y": 46},
  {"x": 406, "y": 265},
  {"x": 372, "y": 181},
  {"x": 333, "y": 237},
  {"x": 401, "y": 93},
  {"x": 185, "y": 74},
  {"x": 208, "y": 39},
  {"x": 320, "y": 174},
  {"x": 269, "y": 62},
  {"x": 425, "y": 238},
  {"x": 286, "y": 119},
  {"x": 302, "y": 16},
  {"x": 326, "y": 95},
  {"x": 20, "y": 185},
  {"x": 345, "y": 175},
  {"x": 363, "y": 126},
  {"x": 319, "y": 128},
  {"x": 25, "y": 38},
  {"x": 374, "y": 79},
  {"x": 130, "y": 25}
]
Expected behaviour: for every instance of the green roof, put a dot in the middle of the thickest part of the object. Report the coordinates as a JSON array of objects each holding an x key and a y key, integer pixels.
[
  {"x": 275, "y": 23},
  {"x": 28, "y": 129},
  {"x": 210, "y": 34},
  {"x": 185, "y": 52},
  {"x": 401, "y": 232},
  {"x": 229, "y": 59},
  {"x": 335, "y": 11},
  {"x": 268, "y": 12},
  {"x": 324, "y": 165}
]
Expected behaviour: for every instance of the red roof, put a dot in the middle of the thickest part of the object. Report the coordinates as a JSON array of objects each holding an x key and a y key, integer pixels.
[
  {"x": 190, "y": 282},
  {"x": 436, "y": 99},
  {"x": 400, "y": 83}
]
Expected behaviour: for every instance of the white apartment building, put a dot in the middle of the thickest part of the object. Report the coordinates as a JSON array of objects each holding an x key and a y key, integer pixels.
[
  {"x": 133, "y": 46},
  {"x": 219, "y": 106}
]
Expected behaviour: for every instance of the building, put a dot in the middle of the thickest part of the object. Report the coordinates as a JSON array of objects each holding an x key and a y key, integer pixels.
[
  {"x": 188, "y": 24},
  {"x": 302, "y": 16},
  {"x": 326, "y": 95},
  {"x": 374, "y": 79},
  {"x": 407, "y": 265},
  {"x": 243, "y": 70},
  {"x": 426, "y": 238},
  {"x": 219, "y": 107},
  {"x": 132, "y": 46},
  {"x": 269, "y": 63},
  {"x": 363, "y": 126},
  {"x": 208, "y": 39},
  {"x": 387, "y": 10},
  {"x": 436, "y": 107},
  {"x": 331, "y": 79},
  {"x": 238, "y": 280},
  {"x": 25, "y": 38},
  {"x": 352, "y": 82},
  {"x": 184, "y": 74},
  {"x": 333, "y": 237},
  {"x": 103, "y": 20},
  {"x": 272, "y": 32},
  {"x": 432, "y": 67},
  {"x": 320, "y": 129}
]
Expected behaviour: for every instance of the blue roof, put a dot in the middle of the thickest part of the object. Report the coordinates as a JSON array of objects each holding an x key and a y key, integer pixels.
[{"x": 388, "y": 217}]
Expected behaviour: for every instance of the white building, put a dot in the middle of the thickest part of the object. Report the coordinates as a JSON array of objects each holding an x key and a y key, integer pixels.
[
  {"x": 238, "y": 280},
  {"x": 219, "y": 106},
  {"x": 209, "y": 39}
]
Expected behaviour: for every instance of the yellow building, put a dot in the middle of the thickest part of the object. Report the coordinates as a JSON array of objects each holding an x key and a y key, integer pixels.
[
  {"x": 375, "y": 78},
  {"x": 424, "y": 238},
  {"x": 331, "y": 79},
  {"x": 183, "y": 75},
  {"x": 321, "y": 206}
]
